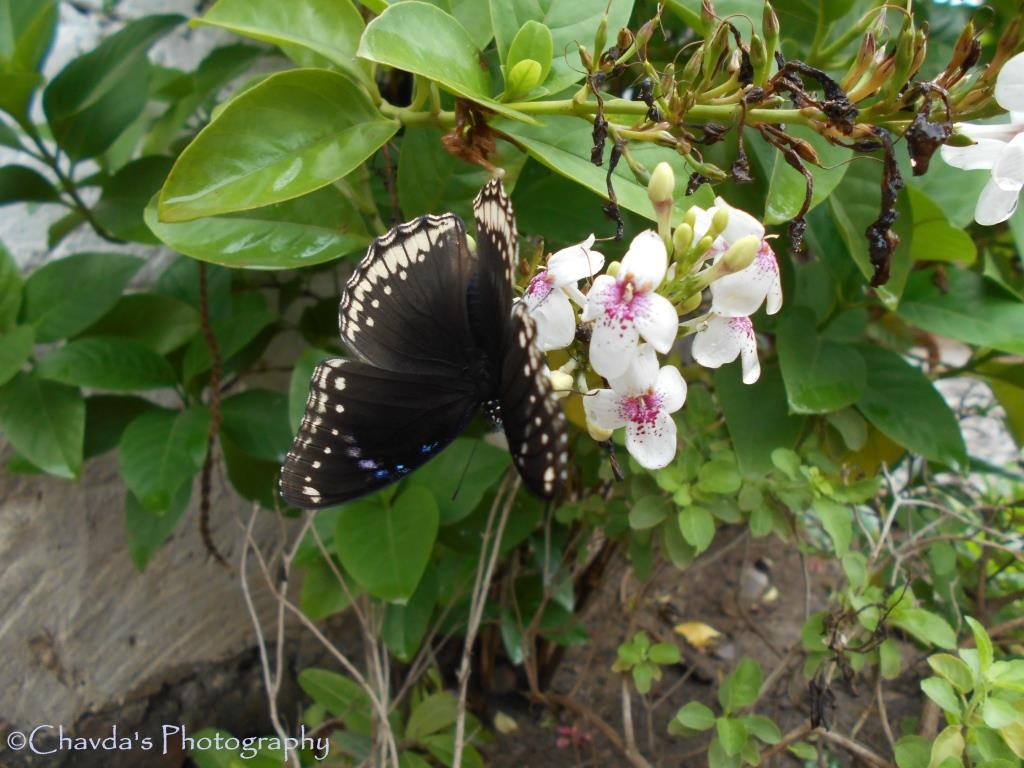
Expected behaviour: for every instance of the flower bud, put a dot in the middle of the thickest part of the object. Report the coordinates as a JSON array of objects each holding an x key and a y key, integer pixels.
[
  {"x": 692, "y": 69},
  {"x": 689, "y": 304},
  {"x": 719, "y": 221},
  {"x": 613, "y": 269},
  {"x": 714, "y": 50},
  {"x": 690, "y": 217},
  {"x": 596, "y": 432},
  {"x": 742, "y": 253},
  {"x": 586, "y": 59},
  {"x": 759, "y": 59},
  {"x": 704, "y": 244},
  {"x": 661, "y": 186},
  {"x": 681, "y": 239},
  {"x": 601, "y": 37},
  {"x": 561, "y": 383}
]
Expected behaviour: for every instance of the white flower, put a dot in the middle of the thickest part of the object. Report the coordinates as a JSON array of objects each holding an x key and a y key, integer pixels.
[
  {"x": 641, "y": 400},
  {"x": 741, "y": 293},
  {"x": 999, "y": 149},
  {"x": 722, "y": 340},
  {"x": 626, "y": 307},
  {"x": 547, "y": 295}
]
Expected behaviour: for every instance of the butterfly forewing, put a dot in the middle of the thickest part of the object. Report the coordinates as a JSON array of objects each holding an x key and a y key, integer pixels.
[
  {"x": 365, "y": 428},
  {"x": 404, "y": 307},
  {"x": 532, "y": 417}
]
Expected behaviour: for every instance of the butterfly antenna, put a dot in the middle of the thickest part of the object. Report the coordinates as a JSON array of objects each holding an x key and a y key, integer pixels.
[
  {"x": 609, "y": 446},
  {"x": 465, "y": 469}
]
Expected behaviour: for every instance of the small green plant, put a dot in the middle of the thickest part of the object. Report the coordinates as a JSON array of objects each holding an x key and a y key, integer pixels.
[{"x": 644, "y": 661}]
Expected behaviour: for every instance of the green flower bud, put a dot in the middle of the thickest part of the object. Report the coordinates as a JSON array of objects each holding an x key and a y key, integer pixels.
[
  {"x": 703, "y": 244},
  {"x": 759, "y": 59},
  {"x": 681, "y": 239},
  {"x": 742, "y": 253},
  {"x": 689, "y": 304},
  {"x": 561, "y": 383},
  {"x": 613, "y": 269},
  {"x": 661, "y": 186},
  {"x": 690, "y": 217},
  {"x": 600, "y": 435},
  {"x": 719, "y": 222}
]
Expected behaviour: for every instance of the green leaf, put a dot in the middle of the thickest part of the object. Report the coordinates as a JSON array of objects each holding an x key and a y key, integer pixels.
[
  {"x": 787, "y": 187},
  {"x": 95, "y": 97},
  {"x": 648, "y": 511},
  {"x": 161, "y": 450},
  {"x": 912, "y": 752},
  {"x": 434, "y": 714},
  {"x": 717, "y": 758},
  {"x": 11, "y": 286},
  {"x": 903, "y": 404},
  {"x": 1008, "y": 674},
  {"x": 644, "y": 674},
  {"x": 111, "y": 363},
  {"x": 146, "y": 531},
  {"x": 125, "y": 195},
  {"x": 697, "y": 526},
  {"x": 935, "y": 239},
  {"x": 257, "y": 421},
  {"x": 532, "y": 42},
  {"x": 695, "y": 715},
  {"x": 15, "y": 349},
  {"x": 890, "y": 661},
  {"x": 741, "y": 686},
  {"x": 339, "y": 695},
  {"x": 260, "y": 756},
  {"x": 762, "y": 727},
  {"x": 322, "y": 594},
  {"x": 441, "y": 50},
  {"x": 948, "y": 744},
  {"x": 461, "y": 475},
  {"x": 66, "y": 296},
  {"x": 942, "y": 693},
  {"x": 44, "y": 422},
  {"x": 312, "y": 229},
  {"x": 756, "y": 417},
  {"x": 19, "y": 184},
  {"x": 570, "y": 22},
  {"x": 986, "y": 653},
  {"x": 664, "y": 653},
  {"x": 249, "y": 315},
  {"x": 442, "y": 747},
  {"x": 386, "y": 548},
  {"x": 406, "y": 625},
  {"x": 106, "y": 416},
  {"x": 998, "y": 713},
  {"x": 732, "y": 735},
  {"x": 294, "y": 132},
  {"x": 820, "y": 375},
  {"x": 327, "y": 28},
  {"x": 926, "y": 626},
  {"x": 26, "y": 33},
  {"x": 967, "y": 307},
  {"x": 159, "y": 322},
  {"x": 837, "y": 521},
  {"x": 719, "y": 476}
]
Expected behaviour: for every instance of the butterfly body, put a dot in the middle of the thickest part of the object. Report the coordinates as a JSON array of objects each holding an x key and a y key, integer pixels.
[{"x": 433, "y": 338}]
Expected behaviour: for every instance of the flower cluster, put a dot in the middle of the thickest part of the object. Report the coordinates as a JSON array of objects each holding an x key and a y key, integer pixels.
[
  {"x": 631, "y": 312},
  {"x": 998, "y": 148}
]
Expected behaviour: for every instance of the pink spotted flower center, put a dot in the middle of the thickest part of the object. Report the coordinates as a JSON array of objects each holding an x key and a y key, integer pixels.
[
  {"x": 641, "y": 409},
  {"x": 540, "y": 286},
  {"x": 623, "y": 299}
]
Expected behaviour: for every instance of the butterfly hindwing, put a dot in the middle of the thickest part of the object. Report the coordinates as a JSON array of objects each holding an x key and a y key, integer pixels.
[
  {"x": 404, "y": 307},
  {"x": 531, "y": 415},
  {"x": 364, "y": 428},
  {"x": 497, "y": 249}
]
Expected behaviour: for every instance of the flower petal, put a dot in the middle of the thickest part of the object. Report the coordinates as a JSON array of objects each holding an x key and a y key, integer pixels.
[
  {"x": 601, "y": 292},
  {"x": 556, "y": 321},
  {"x": 982, "y": 155},
  {"x": 740, "y": 223},
  {"x": 1010, "y": 84},
  {"x": 656, "y": 319},
  {"x": 671, "y": 388},
  {"x": 646, "y": 260},
  {"x": 995, "y": 205},
  {"x": 641, "y": 374},
  {"x": 741, "y": 293},
  {"x": 575, "y": 263},
  {"x": 748, "y": 359},
  {"x": 1008, "y": 171},
  {"x": 652, "y": 444},
  {"x": 603, "y": 410},
  {"x": 722, "y": 340},
  {"x": 611, "y": 345}
]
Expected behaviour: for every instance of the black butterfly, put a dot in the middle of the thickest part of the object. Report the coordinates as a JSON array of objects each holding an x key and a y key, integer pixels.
[{"x": 432, "y": 336}]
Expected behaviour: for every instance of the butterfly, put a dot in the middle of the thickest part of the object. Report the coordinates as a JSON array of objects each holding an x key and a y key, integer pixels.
[{"x": 433, "y": 337}]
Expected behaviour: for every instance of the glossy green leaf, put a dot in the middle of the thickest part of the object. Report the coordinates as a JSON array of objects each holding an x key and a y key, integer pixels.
[
  {"x": 912, "y": 752},
  {"x": 965, "y": 306},
  {"x": 986, "y": 652},
  {"x": 474, "y": 15},
  {"x": 955, "y": 671},
  {"x": 532, "y": 43},
  {"x": 948, "y": 745},
  {"x": 741, "y": 686},
  {"x": 66, "y": 296},
  {"x": 820, "y": 375},
  {"x": 406, "y": 625},
  {"x": 294, "y": 132},
  {"x": 11, "y": 285},
  {"x": 837, "y": 520},
  {"x": 756, "y": 416},
  {"x": 328, "y": 28},
  {"x": 903, "y": 404},
  {"x": 942, "y": 693},
  {"x": 787, "y": 187},
  {"x": 698, "y": 527},
  {"x": 763, "y": 728},
  {"x": 386, "y": 548},
  {"x": 928, "y": 627},
  {"x": 435, "y": 713},
  {"x": 257, "y": 420},
  {"x": 106, "y": 417},
  {"x": 441, "y": 50},
  {"x": 322, "y": 594},
  {"x": 95, "y": 97},
  {"x": 460, "y": 475},
  {"x": 159, "y": 451},
  {"x": 26, "y": 33},
  {"x": 696, "y": 716},
  {"x": 312, "y": 229},
  {"x": 732, "y": 735},
  {"x": 145, "y": 531},
  {"x": 44, "y": 421},
  {"x": 125, "y": 196},
  {"x": 571, "y": 23},
  {"x": 19, "y": 184},
  {"x": 159, "y": 322},
  {"x": 15, "y": 349},
  {"x": 249, "y": 315},
  {"x": 107, "y": 362},
  {"x": 935, "y": 239}
]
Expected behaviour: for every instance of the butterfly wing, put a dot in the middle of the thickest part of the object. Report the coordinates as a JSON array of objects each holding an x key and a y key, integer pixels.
[
  {"x": 365, "y": 428},
  {"x": 497, "y": 252},
  {"x": 531, "y": 415},
  {"x": 404, "y": 307}
]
